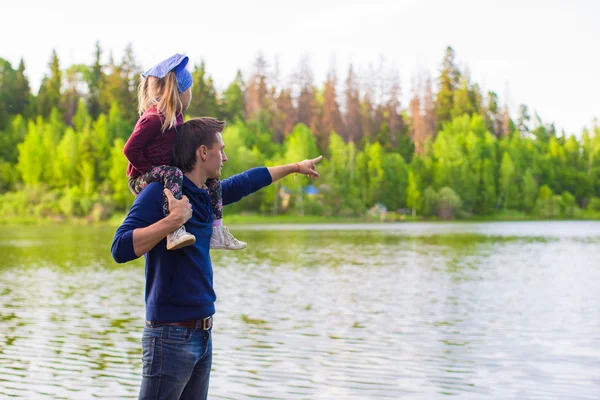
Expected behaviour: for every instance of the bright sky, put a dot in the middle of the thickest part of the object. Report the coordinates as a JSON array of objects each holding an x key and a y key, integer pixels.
[{"x": 544, "y": 53}]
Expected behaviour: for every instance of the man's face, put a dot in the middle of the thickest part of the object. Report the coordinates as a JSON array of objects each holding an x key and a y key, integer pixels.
[{"x": 215, "y": 158}]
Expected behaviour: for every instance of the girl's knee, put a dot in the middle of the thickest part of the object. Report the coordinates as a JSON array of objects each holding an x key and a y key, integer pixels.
[{"x": 173, "y": 172}]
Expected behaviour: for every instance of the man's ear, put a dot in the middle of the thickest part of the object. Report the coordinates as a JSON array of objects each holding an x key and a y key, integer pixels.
[{"x": 202, "y": 152}]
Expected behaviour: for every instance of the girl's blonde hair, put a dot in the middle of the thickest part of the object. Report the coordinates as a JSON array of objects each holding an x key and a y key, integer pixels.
[{"x": 162, "y": 93}]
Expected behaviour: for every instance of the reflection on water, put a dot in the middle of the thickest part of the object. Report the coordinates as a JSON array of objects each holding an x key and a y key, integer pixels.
[{"x": 415, "y": 311}]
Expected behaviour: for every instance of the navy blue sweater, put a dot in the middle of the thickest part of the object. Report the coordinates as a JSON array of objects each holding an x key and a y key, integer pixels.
[{"x": 179, "y": 283}]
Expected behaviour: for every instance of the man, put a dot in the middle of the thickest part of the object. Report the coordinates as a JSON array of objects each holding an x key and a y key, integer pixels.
[{"x": 176, "y": 343}]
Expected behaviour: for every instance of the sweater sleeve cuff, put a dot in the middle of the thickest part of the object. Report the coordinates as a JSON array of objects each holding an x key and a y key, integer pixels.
[{"x": 125, "y": 250}]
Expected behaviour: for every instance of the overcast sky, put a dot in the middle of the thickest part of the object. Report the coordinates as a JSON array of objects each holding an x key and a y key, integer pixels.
[{"x": 545, "y": 54}]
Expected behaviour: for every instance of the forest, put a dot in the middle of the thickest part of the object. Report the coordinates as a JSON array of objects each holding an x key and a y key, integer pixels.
[{"x": 452, "y": 152}]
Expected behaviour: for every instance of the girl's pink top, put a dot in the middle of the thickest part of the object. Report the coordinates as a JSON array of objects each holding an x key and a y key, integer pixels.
[{"x": 148, "y": 146}]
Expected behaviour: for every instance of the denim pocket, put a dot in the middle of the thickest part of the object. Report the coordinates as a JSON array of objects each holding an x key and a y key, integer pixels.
[
  {"x": 148, "y": 356},
  {"x": 178, "y": 335}
]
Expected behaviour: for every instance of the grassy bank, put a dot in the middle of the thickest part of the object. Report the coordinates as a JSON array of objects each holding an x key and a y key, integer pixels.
[{"x": 250, "y": 219}]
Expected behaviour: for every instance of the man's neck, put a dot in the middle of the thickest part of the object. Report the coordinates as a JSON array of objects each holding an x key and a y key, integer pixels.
[{"x": 197, "y": 177}]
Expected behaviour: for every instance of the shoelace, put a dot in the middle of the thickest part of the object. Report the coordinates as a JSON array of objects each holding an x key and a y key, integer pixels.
[
  {"x": 178, "y": 233},
  {"x": 229, "y": 237}
]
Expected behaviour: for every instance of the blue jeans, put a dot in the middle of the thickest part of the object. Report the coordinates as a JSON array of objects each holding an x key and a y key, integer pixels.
[{"x": 176, "y": 363}]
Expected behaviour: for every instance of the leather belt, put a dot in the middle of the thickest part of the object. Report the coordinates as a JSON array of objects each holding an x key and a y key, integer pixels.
[{"x": 204, "y": 324}]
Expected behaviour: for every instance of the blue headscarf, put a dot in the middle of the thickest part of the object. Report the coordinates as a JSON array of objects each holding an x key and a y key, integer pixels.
[{"x": 177, "y": 63}]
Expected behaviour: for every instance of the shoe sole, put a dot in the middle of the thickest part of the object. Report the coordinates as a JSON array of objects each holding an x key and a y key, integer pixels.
[
  {"x": 185, "y": 243},
  {"x": 227, "y": 248}
]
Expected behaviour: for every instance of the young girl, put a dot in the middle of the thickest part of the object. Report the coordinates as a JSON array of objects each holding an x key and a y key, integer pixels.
[{"x": 165, "y": 92}]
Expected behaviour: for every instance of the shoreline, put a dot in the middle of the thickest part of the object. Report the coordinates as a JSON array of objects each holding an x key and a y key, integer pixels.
[{"x": 257, "y": 219}]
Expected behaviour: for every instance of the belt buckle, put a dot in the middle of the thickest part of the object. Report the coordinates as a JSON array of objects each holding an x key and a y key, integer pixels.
[{"x": 207, "y": 323}]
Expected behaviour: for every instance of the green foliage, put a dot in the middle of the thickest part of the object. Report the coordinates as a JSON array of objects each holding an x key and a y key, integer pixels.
[
  {"x": 341, "y": 197},
  {"x": 8, "y": 176},
  {"x": 66, "y": 161},
  {"x": 31, "y": 155},
  {"x": 548, "y": 205},
  {"x": 204, "y": 95},
  {"x": 11, "y": 137},
  {"x": 430, "y": 202},
  {"x": 449, "y": 203},
  {"x": 61, "y": 151},
  {"x": 594, "y": 204},
  {"x": 413, "y": 195},
  {"x": 118, "y": 166},
  {"x": 507, "y": 181},
  {"x": 488, "y": 199},
  {"x": 232, "y": 105},
  {"x": 448, "y": 81},
  {"x": 530, "y": 191},
  {"x": 50, "y": 93},
  {"x": 568, "y": 207}
]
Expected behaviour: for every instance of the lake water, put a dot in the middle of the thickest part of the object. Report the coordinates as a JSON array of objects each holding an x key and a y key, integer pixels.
[{"x": 394, "y": 311}]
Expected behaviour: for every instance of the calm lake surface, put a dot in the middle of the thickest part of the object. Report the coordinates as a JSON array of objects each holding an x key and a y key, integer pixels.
[{"x": 395, "y": 311}]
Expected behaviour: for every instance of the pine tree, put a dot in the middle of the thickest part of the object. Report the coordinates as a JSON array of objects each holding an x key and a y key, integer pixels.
[
  {"x": 331, "y": 120},
  {"x": 523, "y": 120},
  {"x": 204, "y": 96},
  {"x": 284, "y": 116},
  {"x": 366, "y": 120},
  {"x": 6, "y": 82},
  {"x": 49, "y": 95},
  {"x": 308, "y": 113},
  {"x": 130, "y": 75},
  {"x": 256, "y": 90},
  {"x": 72, "y": 97},
  {"x": 353, "y": 131},
  {"x": 232, "y": 102},
  {"x": 448, "y": 83},
  {"x": 429, "y": 118},
  {"x": 417, "y": 123},
  {"x": 463, "y": 100},
  {"x": 22, "y": 98},
  {"x": 95, "y": 81}
]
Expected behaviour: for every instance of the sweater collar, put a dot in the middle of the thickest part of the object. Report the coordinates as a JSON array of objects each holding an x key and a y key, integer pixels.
[{"x": 191, "y": 186}]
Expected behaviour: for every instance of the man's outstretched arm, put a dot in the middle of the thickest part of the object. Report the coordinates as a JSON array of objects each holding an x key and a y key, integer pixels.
[
  {"x": 248, "y": 182},
  {"x": 306, "y": 167}
]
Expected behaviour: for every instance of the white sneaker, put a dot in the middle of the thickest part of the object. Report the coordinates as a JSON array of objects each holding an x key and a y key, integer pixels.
[
  {"x": 223, "y": 240},
  {"x": 180, "y": 238}
]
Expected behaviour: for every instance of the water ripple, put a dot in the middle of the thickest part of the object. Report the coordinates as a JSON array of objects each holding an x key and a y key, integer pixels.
[{"x": 414, "y": 311}]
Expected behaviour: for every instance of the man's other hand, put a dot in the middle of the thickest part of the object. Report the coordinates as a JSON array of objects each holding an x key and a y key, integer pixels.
[{"x": 180, "y": 211}]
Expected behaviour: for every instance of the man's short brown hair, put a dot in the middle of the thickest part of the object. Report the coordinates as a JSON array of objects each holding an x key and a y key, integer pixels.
[{"x": 191, "y": 135}]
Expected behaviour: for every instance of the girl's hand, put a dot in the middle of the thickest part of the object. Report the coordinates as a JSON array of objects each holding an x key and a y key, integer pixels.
[{"x": 308, "y": 167}]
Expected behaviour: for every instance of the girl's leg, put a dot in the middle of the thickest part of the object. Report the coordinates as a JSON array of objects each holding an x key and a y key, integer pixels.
[
  {"x": 216, "y": 200},
  {"x": 221, "y": 238},
  {"x": 170, "y": 177}
]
